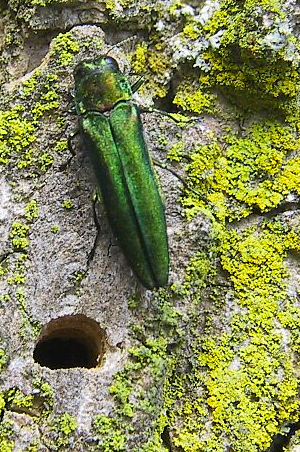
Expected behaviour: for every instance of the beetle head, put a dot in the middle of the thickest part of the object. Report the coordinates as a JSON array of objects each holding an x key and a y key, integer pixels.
[{"x": 99, "y": 84}]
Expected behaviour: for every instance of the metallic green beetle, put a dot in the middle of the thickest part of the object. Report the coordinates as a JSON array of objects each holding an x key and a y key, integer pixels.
[{"x": 112, "y": 134}]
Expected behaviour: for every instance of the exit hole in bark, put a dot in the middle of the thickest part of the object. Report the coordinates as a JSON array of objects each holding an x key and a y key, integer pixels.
[{"x": 70, "y": 341}]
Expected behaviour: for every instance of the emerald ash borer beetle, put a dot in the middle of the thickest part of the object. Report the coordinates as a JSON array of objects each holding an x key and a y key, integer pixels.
[{"x": 112, "y": 134}]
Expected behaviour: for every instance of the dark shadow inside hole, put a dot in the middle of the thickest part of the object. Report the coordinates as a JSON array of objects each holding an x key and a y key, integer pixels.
[
  {"x": 280, "y": 442},
  {"x": 3, "y": 4},
  {"x": 70, "y": 341},
  {"x": 166, "y": 103},
  {"x": 165, "y": 436},
  {"x": 62, "y": 353}
]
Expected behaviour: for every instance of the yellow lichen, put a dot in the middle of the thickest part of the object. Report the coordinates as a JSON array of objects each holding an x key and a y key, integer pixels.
[
  {"x": 191, "y": 99},
  {"x": 255, "y": 170}
]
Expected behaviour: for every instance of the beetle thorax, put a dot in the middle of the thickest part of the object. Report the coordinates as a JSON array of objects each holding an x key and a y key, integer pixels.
[{"x": 101, "y": 90}]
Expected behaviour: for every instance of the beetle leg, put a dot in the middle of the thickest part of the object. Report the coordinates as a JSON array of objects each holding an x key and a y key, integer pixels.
[
  {"x": 4, "y": 256},
  {"x": 72, "y": 110},
  {"x": 184, "y": 183},
  {"x": 162, "y": 113},
  {"x": 70, "y": 139},
  {"x": 136, "y": 85},
  {"x": 169, "y": 115},
  {"x": 96, "y": 198},
  {"x": 70, "y": 149}
]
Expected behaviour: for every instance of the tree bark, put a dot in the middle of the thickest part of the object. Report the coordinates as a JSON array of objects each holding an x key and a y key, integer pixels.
[{"x": 90, "y": 359}]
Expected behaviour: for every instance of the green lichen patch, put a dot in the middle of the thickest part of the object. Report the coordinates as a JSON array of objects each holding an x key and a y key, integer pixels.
[
  {"x": 190, "y": 97},
  {"x": 13, "y": 269},
  {"x": 65, "y": 48},
  {"x": 61, "y": 146},
  {"x": 17, "y": 401},
  {"x": 63, "y": 428},
  {"x": 30, "y": 120},
  {"x": 254, "y": 53},
  {"x": 145, "y": 391},
  {"x": 19, "y": 125},
  {"x": 38, "y": 404},
  {"x": 256, "y": 171},
  {"x": 16, "y": 133},
  {"x": 155, "y": 62},
  {"x": 55, "y": 229},
  {"x": 31, "y": 85},
  {"x": 19, "y": 236},
  {"x": 110, "y": 437},
  {"x": 131, "y": 389},
  {"x": 68, "y": 204},
  {"x": 6, "y": 443},
  {"x": 245, "y": 49},
  {"x": 243, "y": 384},
  {"x": 31, "y": 210},
  {"x": 60, "y": 431}
]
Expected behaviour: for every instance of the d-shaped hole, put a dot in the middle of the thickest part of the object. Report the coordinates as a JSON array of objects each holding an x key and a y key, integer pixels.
[{"x": 70, "y": 341}]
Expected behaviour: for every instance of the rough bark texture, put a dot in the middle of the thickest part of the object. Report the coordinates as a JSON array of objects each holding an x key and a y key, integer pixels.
[{"x": 211, "y": 362}]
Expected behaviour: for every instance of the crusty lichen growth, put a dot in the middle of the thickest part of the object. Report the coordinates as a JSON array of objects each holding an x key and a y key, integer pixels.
[
  {"x": 19, "y": 125},
  {"x": 64, "y": 48},
  {"x": 13, "y": 269},
  {"x": 6, "y": 442},
  {"x": 247, "y": 380},
  {"x": 256, "y": 170},
  {"x": 247, "y": 49},
  {"x": 16, "y": 133},
  {"x": 247, "y": 373},
  {"x": 63, "y": 428},
  {"x": 242, "y": 384},
  {"x": 145, "y": 369},
  {"x": 255, "y": 57}
]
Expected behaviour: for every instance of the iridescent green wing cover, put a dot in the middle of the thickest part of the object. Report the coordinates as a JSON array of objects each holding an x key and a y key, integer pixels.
[
  {"x": 144, "y": 194},
  {"x": 130, "y": 193}
]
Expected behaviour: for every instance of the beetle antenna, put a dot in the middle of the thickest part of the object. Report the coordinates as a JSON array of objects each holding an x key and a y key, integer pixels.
[{"x": 120, "y": 43}]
